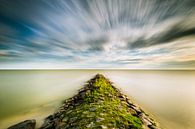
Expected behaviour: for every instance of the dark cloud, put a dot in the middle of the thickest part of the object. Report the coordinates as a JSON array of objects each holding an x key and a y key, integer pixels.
[
  {"x": 179, "y": 64},
  {"x": 97, "y": 44},
  {"x": 174, "y": 33}
]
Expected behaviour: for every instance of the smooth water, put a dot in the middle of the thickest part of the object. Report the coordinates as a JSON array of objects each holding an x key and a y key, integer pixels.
[{"x": 167, "y": 95}]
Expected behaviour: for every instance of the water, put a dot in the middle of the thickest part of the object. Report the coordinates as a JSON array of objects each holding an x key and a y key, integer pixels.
[{"x": 169, "y": 96}]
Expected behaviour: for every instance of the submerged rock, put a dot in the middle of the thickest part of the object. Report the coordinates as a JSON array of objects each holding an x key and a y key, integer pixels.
[{"x": 27, "y": 124}]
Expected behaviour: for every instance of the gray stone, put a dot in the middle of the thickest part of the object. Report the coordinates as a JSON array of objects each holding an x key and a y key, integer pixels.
[
  {"x": 104, "y": 127},
  {"x": 137, "y": 109},
  {"x": 90, "y": 125},
  {"x": 145, "y": 119},
  {"x": 99, "y": 119},
  {"x": 92, "y": 109},
  {"x": 27, "y": 124}
]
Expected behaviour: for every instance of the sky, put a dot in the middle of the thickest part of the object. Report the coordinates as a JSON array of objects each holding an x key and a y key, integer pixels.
[{"x": 68, "y": 34}]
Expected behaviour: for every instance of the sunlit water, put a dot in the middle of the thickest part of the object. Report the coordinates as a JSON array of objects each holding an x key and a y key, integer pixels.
[{"x": 169, "y": 96}]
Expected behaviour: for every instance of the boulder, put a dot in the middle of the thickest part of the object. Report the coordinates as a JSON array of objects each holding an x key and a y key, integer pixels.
[{"x": 27, "y": 124}]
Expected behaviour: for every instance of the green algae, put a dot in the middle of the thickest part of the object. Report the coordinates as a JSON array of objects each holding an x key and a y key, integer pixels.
[{"x": 100, "y": 107}]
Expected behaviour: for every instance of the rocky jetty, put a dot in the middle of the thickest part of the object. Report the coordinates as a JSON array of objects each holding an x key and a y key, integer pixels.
[{"x": 99, "y": 105}]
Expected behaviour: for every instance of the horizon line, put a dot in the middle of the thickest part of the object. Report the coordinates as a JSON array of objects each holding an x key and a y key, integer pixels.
[{"x": 96, "y": 69}]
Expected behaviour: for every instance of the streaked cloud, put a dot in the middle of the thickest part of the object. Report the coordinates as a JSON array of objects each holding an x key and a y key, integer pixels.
[{"x": 97, "y": 34}]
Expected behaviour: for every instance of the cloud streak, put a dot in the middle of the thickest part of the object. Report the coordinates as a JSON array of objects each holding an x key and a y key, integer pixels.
[{"x": 97, "y": 34}]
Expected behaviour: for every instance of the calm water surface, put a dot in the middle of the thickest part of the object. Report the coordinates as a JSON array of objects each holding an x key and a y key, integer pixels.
[{"x": 168, "y": 95}]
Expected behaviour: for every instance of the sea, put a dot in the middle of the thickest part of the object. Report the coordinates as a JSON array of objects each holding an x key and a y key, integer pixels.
[{"x": 167, "y": 95}]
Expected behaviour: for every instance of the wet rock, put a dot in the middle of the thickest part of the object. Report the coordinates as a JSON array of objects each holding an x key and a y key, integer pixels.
[
  {"x": 137, "y": 109},
  {"x": 73, "y": 119},
  {"x": 99, "y": 119},
  {"x": 90, "y": 125},
  {"x": 68, "y": 112},
  {"x": 129, "y": 102},
  {"x": 48, "y": 126},
  {"x": 132, "y": 111},
  {"x": 92, "y": 114},
  {"x": 102, "y": 114},
  {"x": 104, "y": 127},
  {"x": 65, "y": 119},
  {"x": 146, "y": 120},
  {"x": 92, "y": 109},
  {"x": 27, "y": 124}
]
